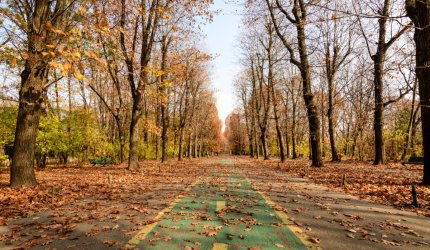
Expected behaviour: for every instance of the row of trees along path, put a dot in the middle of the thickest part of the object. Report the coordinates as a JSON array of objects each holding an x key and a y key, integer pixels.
[
  {"x": 354, "y": 52},
  {"x": 146, "y": 51}
]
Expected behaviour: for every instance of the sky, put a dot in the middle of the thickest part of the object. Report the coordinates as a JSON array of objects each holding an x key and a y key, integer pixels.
[{"x": 221, "y": 35}]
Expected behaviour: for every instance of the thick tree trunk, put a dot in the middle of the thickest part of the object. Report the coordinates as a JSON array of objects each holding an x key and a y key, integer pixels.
[
  {"x": 32, "y": 90},
  {"x": 419, "y": 12},
  {"x": 29, "y": 112}
]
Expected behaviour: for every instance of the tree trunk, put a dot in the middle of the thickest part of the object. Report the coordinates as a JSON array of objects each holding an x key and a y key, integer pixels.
[
  {"x": 257, "y": 150},
  {"x": 29, "y": 112},
  {"x": 378, "y": 124},
  {"x": 334, "y": 154},
  {"x": 293, "y": 137},
  {"x": 275, "y": 106},
  {"x": 195, "y": 144},
  {"x": 419, "y": 12},
  {"x": 313, "y": 119},
  {"x": 121, "y": 144},
  {"x": 379, "y": 68},
  {"x": 323, "y": 143},
  {"x": 181, "y": 143},
  {"x": 287, "y": 144},
  {"x": 264, "y": 145},
  {"x": 32, "y": 90},
  {"x": 189, "y": 146},
  {"x": 164, "y": 101},
  {"x": 133, "y": 160},
  {"x": 164, "y": 132},
  {"x": 293, "y": 127}
]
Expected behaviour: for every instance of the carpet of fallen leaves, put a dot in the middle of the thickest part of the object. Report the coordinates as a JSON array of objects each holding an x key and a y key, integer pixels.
[
  {"x": 389, "y": 184},
  {"x": 69, "y": 196},
  {"x": 107, "y": 205}
]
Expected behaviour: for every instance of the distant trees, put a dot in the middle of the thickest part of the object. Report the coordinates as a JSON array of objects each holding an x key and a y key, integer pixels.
[{"x": 235, "y": 134}]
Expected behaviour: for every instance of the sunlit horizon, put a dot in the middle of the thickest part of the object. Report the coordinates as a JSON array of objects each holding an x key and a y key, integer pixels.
[{"x": 221, "y": 35}]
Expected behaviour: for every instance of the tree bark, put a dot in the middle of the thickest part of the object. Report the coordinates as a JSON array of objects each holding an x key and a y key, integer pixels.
[
  {"x": 164, "y": 101},
  {"x": 133, "y": 160},
  {"x": 419, "y": 12},
  {"x": 32, "y": 92},
  {"x": 29, "y": 112},
  {"x": 378, "y": 123},
  {"x": 313, "y": 120},
  {"x": 181, "y": 144},
  {"x": 330, "y": 117},
  {"x": 264, "y": 144}
]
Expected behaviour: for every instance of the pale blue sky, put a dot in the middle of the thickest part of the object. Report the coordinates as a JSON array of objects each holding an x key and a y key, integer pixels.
[{"x": 221, "y": 35}]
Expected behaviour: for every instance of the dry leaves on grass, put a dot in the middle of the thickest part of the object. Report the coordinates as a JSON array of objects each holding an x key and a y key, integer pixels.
[
  {"x": 390, "y": 184},
  {"x": 101, "y": 195}
]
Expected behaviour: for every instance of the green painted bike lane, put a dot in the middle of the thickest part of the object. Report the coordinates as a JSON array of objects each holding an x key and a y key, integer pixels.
[{"x": 222, "y": 212}]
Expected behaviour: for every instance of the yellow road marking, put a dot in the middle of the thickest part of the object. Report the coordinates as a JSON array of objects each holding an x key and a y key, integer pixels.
[
  {"x": 141, "y": 235},
  {"x": 304, "y": 238},
  {"x": 220, "y": 246},
  {"x": 220, "y": 205}
]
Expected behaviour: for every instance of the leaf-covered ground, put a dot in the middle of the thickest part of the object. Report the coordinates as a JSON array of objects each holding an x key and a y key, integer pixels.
[
  {"x": 103, "y": 207},
  {"x": 106, "y": 202},
  {"x": 389, "y": 184}
]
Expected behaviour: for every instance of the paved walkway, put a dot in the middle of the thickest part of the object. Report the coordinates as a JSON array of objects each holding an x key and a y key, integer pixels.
[{"x": 222, "y": 211}]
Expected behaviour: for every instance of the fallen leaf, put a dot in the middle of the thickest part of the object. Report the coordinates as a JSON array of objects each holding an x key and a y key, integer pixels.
[
  {"x": 314, "y": 240},
  {"x": 213, "y": 233},
  {"x": 279, "y": 245}
]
